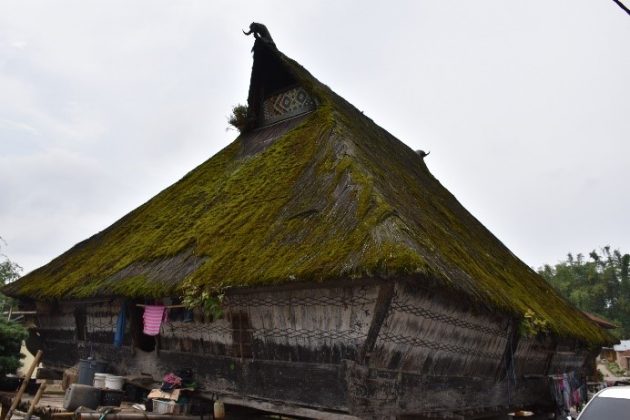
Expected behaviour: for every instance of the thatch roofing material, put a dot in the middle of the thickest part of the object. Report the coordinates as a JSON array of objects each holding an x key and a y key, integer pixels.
[{"x": 334, "y": 198}]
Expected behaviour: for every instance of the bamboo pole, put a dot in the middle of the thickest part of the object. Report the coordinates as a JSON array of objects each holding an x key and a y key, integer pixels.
[
  {"x": 27, "y": 378},
  {"x": 132, "y": 416},
  {"x": 38, "y": 396},
  {"x": 19, "y": 312}
]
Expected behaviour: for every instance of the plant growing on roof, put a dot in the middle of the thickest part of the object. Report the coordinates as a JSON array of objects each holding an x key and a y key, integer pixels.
[
  {"x": 239, "y": 118},
  {"x": 532, "y": 325},
  {"x": 200, "y": 297}
]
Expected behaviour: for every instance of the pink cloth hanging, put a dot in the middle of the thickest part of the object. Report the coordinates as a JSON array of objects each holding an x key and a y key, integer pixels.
[{"x": 153, "y": 317}]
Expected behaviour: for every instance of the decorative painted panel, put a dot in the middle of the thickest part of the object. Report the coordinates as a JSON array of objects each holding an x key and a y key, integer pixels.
[{"x": 287, "y": 104}]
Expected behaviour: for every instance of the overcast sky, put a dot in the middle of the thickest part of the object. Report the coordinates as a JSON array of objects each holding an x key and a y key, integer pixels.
[{"x": 525, "y": 106}]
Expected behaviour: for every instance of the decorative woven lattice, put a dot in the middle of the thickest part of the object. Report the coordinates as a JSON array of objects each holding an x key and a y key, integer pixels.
[
  {"x": 437, "y": 346},
  {"x": 196, "y": 328},
  {"x": 447, "y": 319},
  {"x": 242, "y": 308},
  {"x": 100, "y": 321},
  {"x": 309, "y": 334},
  {"x": 404, "y": 306},
  {"x": 340, "y": 300},
  {"x": 287, "y": 104}
]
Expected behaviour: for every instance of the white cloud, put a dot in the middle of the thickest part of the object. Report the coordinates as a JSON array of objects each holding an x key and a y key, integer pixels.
[{"x": 6, "y": 124}]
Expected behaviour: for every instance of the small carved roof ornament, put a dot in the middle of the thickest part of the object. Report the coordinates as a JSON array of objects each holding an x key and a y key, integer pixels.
[
  {"x": 261, "y": 33},
  {"x": 422, "y": 153}
]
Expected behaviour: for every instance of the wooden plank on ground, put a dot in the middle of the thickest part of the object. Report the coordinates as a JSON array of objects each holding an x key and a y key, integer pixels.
[{"x": 279, "y": 408}]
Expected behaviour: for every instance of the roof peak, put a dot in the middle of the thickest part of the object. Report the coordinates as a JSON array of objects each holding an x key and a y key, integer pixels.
[
  {"x": 261, "y": 33},
  {"x": 276, "y": 91}
]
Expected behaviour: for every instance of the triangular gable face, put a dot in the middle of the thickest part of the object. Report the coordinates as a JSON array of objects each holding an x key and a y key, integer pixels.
[{"x": 275, "y": 94}]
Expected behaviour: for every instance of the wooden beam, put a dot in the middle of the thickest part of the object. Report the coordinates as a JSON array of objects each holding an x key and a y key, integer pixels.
[
  {"x": 381, "y": 308},
  {"x": 19, "y": 313},
  {"x": 283, "y": 408},
  {"x": 135, "y": 415}
]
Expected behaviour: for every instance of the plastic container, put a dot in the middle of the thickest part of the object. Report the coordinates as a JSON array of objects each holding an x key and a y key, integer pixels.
[
  {"x": 81, "y": 395},
  {"x": 99, "y": 380},
  {"x": 114, "y": 382},
  {"x": 111, "y": 397},
  {"x": 87, "y": 368},
  {"x": 164, "y": 406}
]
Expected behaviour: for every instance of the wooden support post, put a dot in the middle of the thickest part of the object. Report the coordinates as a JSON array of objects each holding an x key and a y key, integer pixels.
[
  {"x": 27, "y": 378},
  {"x": 123, "y": 416},
  {"x": 38, "y": 396},
  {"x": 381, "y": 308}
]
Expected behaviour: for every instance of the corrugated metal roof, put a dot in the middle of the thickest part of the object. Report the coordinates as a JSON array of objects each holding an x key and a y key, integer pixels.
[{"x": 624, "y": 345}]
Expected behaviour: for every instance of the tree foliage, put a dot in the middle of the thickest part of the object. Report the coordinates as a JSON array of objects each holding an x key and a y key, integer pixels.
[
  {"x": 11, "y": 333},
  {"x": 599, "y": 284},
  {"x": 11, "y": 336},
  {"x": 9, "y": 271}
]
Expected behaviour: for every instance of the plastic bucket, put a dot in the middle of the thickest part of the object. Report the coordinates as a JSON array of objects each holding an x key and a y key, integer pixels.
[
  {"x": 87, "y": 368},
  {"x": 99, "y": 380},
  {"x": 163, "y": 407},
  {"x": 114, "y": 382}
]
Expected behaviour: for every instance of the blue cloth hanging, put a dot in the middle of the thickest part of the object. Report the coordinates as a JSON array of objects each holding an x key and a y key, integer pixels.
[{"x": 119, "y": 335}]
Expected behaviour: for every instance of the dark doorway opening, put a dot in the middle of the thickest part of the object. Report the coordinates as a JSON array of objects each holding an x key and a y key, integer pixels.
[{"x": 139, "y": 339}]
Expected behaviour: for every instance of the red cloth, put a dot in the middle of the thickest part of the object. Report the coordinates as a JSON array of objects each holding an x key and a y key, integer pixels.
[{"x": 153, "y": 317}]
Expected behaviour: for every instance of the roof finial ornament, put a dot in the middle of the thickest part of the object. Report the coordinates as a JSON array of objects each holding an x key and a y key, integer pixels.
[
  {"x": 422, "y": 153},
  {"x": 261, "y": 33}
]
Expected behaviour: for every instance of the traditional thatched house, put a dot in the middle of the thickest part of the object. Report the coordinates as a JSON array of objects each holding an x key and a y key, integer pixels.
[{"x": 353, "y": 281}]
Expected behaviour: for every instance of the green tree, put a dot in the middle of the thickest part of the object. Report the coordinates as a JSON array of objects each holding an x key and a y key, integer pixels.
[
  {"x": 11, "y": 333},
  {"x": 599, "y": 284},
  {"x": 11, "y": 336}
]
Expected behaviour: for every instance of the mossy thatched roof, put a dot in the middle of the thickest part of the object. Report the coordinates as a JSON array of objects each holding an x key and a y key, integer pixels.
[{"x": 334, "y": 197}]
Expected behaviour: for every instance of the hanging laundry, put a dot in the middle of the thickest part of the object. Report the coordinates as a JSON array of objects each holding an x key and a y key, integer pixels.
[
  {"x": 153, "y": 317},
  {"x": 119, "y": 335},
  {"x": 566, "y": 391},
  {"x": 555, "y": 386}
]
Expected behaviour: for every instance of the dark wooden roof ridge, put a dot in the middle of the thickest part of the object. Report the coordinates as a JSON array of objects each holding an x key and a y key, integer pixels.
[
  {"x": 332, "y": 198},
  {"x": 602, "y": 322}
]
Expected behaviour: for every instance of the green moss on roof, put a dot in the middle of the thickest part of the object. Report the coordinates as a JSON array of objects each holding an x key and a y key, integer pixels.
[{"x": 335, "y": 198}]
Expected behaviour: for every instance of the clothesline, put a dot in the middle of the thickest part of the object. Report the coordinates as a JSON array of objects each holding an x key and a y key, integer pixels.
[{"x": 165, "y": 306}]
